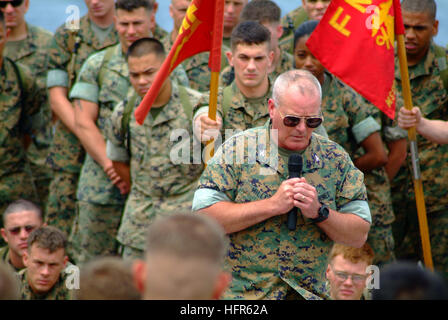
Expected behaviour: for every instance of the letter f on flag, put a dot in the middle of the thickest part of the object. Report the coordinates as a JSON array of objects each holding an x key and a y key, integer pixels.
[{"x": 355, "y": 42}]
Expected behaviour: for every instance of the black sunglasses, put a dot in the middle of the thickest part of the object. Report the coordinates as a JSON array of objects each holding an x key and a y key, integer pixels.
[
  {"x": 14, "y": 3},
  {"x": 292, "y": 121}
]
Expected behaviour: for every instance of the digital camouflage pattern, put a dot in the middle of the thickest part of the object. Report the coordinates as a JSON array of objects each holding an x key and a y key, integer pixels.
[
  {"x": 242, "y": 113},
  {"x": 159, "y": 184},
  {"x": 33, "y": 52},
  {"x": 286, "y": 63},
  {"x": 66, "y": 153},
  {"x": 344, "y": 109},
  {"x": 94, "y": 231},
  {"x": 290, "y": 22},
  {"x": 430, "y": 95},
  {"x": 4, "y": 257},
  {"x": 63, "y": 208},
  {"x": 267, "y": 259},
  {"x": 159, "y": 33},
  {"x": 96, "y": 193},
  {"x": 94, "y": 185},
  {"x": 17, "y": 107},
  {"x": 58, "y": 292},
  {"x": 198, "y": 71}
]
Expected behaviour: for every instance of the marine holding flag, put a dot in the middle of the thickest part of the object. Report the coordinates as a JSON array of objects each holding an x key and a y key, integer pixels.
[
  {"x": 428, "y": 80},
  {"x": 201, "y": 31}
]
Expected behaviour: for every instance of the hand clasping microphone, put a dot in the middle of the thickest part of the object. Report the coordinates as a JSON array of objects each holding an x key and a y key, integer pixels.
[{"x": 295, "y": 170}]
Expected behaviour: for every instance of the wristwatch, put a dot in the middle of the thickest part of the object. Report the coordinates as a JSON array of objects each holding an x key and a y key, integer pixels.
[{"x": 322, "y": 214}]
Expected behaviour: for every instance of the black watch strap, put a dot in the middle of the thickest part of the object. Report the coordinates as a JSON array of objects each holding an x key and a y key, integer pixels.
[{"x": 323, "y": 214}]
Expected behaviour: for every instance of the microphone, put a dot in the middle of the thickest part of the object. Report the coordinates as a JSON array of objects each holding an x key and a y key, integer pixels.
[{"x": 295, "y": 170}]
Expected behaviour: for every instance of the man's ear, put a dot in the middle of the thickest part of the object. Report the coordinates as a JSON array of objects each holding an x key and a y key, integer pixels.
[
  {"x": 155, "y": 7},
  {"x": 139, "y": 275},
  {"x": 65, "y": 261},
  {"x": 327, "y": 272},
  {"x": 435, "y": 28},
  {"x": 25, "y": 258},
  {"x": 229, "y": 56},
  {"x": 279, "y": 31},
  {"x": 222, "y": 283},
  {"x": 3, "y": 231}
]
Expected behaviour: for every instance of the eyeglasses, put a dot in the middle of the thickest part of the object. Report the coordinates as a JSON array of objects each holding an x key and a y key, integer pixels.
[
  {"x": 356, "y": 278},
  {"x": 14, "y": 3},
  {"x": 16, "y": 230},
  {"x": 292, "y": 121}
]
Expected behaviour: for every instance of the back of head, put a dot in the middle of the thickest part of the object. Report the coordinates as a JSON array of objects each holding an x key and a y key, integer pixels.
[
  {"x": 130, "y": 5},
  {"x": 107, "y": 278},
  {"x": 144, "y": 46},
  {"x": 47, "y": 237},
  {"x": 302, "y": 81},
  {"x": 420, "y": 6},
  {"x": 354, "y": 255},
  {"x": 249, "y": 33},
  {"x": 262, "y": 11},
  {"x": 20, "y": 206},
  {"x": 184, "y": 257},
  {"x": 305, "y": 29},
  {"x": 408, "y": 281},
  {"x": 8, "y": 283}
]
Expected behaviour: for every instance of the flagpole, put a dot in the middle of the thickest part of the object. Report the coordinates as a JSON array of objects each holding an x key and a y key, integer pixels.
[
  {"x": 412, "y": 137},
  {"x": 215, "y": 66}
]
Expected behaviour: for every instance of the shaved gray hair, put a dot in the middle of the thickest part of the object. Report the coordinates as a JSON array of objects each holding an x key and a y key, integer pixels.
[
  {"x": 420, "y": 6},
  {"x": 20, "y": 206},
  {"x": 304, "y": 81}
]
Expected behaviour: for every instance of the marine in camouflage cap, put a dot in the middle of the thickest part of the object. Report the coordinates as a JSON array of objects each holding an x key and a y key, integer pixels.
[
  {"x": 71, "y": 46},
  {"x": 269, "y": 261},
  {"x": 163, "y": 171}
]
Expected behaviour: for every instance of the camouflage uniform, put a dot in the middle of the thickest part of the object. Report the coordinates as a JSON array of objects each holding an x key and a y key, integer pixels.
[
  {"x": 242, "y": 113},
  {"x": 58, "y": 292},
  {"x": 99, "y": 201},
  {"x": 269, "y": 261},
  {"x": 4, "y": 257},
  {"x": 159, "y": 33},
  {"x": 199, "y": 72},
  {"x": 290, "y": 22},
  {"x": 428, "y": 93},
  {"x": 19, "y": 102},
  {"x": 349, "y": 119},
  {"x": 66, "y": 153},
  {"x": 286, "y": 63},
  {"x": 196, "y": 67},
  {"x": 33, "y": 52},
  {"x": 159, "y": 186}
]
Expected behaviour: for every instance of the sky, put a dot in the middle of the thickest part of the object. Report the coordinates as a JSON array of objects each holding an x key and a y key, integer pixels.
[{"x": 50, "y": 14}]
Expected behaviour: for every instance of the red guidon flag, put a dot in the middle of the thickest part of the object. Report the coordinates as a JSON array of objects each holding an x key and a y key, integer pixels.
[
  {"x": 355, "y": 42},
  {"x": 201, "y": 30}
]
